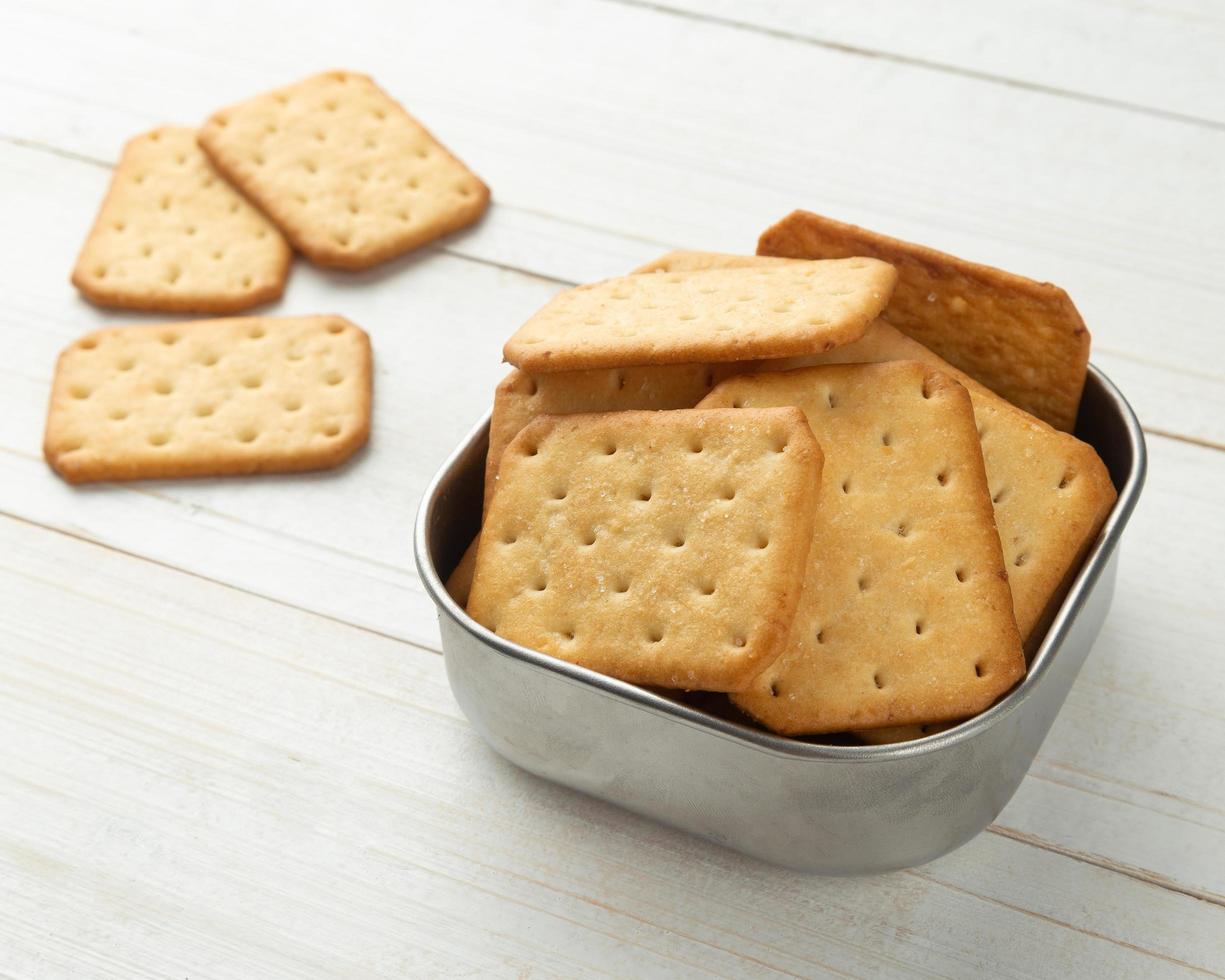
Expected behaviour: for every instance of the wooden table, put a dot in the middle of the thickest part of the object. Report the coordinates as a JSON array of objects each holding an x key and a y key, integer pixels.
[{"x": 227, "y": 745}]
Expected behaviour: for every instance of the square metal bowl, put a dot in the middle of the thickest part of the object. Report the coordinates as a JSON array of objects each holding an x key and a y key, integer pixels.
[{"x": 830, "y": 809}]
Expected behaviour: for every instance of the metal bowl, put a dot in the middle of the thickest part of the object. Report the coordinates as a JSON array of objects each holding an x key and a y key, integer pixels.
[{"x": 830, "y": 809}]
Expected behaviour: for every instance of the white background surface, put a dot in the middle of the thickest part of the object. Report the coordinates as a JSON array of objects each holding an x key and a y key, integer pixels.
[{"x": 227, "y": 746}]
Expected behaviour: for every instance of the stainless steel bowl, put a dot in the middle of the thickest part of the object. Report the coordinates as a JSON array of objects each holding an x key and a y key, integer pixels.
[{"x": 830, "y": 809}]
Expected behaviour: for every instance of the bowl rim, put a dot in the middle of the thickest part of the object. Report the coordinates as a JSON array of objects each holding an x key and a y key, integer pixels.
[{"x": 1082, "y": 586}]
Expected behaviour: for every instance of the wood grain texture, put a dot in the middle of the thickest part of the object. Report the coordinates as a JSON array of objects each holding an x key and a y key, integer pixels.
[
  {"x": 1104, "y": 52},
  {"x": 219, "y": 756}
]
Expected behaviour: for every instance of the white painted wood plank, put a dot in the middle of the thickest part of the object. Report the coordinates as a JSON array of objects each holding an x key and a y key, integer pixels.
[
  {"x": 630, "y": 122},
  {"x": 1163, "y": 57},
  {"x": 265, "y": 793}
]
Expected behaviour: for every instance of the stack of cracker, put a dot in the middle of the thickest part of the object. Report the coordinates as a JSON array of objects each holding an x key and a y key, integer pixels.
[
  {"x": 650, "y": 514},
  {"x": 203, "y": 221}
]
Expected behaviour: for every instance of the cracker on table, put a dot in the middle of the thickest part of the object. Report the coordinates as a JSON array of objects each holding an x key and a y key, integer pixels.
[
  {"x": 173, "y": 235},
  {"x": 906, "y": 615},
  {"x": 662, "y": 548},
  {"x": 1023, "y": 339},
  {"x": 714, "y": 315},
  {"x": 210, "y": 398},
  {"x": 349, "y": 176}
]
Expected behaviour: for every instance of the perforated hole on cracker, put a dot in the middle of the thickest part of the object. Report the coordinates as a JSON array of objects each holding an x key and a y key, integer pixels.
[
  {"x": 612, "y": 542},
  {"x": 212, "y": 397}
]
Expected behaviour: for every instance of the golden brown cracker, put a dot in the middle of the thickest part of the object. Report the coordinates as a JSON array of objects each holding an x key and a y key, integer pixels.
[
  {"x": 173, "y": 235},
  {"x": 1023, "y": 339},
  {"x": 902, "y": 733},
  {"x": 459, "y": 582},
  {"x": 906, "y": 616},
  {"x": 662, "y": 548},
  {"x": 1051, "y": 492},
  {"x": 210, "y": 398},
  {"x": 714, "y": 315},
  {"x": 349, "y": 176}
]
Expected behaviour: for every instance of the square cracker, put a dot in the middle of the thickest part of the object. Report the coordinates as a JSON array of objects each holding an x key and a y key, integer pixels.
[
  {"x": 172, "y": 235},
  {"x": 1023, "y": 339},
  {"x": 209, "y": 398},
  {"x": 905, "y": 616},
  {"x": 662, "y": 548},
  {"x": 712, "y": 315},
  {"x": 351, "y": 178}
]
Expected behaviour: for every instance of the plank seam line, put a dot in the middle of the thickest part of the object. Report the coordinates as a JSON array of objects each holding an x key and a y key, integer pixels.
[
  {"x": 1189, "y": 440},
  {"x": 1129, "y": 870},
  {"x": 505, "y": 267},
  {"x": 85, "y": 539},
  {"x": 243, "y": 523},
  {"x": 396, "y": 855},
  {"x": 1067, "y": 925},
  {"x": 40, "y": 147},
  {"x": 911, "y": 61},
  {"x": 233, "y": 519}
]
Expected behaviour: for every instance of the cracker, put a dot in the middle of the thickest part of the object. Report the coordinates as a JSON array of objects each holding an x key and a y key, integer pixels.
[
  {"x": 902, "y": 733},
  {"x": 1023, "y": 339},
  {"x": 1051, "y": 492},
  {"x": 713, "y": 315},
  {"x": 351, "y": 178},
  {"x": 459, "y": 582},
  {"x": 662, "y": 548},
  {"x": 172, "y": 235},
  {"x": 906, "y": 615},
  {"x": 690, "y": 261},
  {"x": 209, "y": 398}
]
